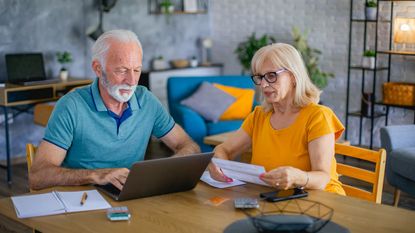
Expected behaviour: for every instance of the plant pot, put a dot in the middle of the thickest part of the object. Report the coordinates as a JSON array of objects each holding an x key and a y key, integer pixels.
[
  {"x": 193, "y": 62},
  {"x": 371, "y": 13},
  {"x": 167, "y": 9},
  {"x": 368, "y": 62},
  {"x": 63, "y": 75}
]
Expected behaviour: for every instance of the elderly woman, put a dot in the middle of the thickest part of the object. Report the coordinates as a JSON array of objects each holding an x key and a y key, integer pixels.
[{"x": 290, "y": 134}]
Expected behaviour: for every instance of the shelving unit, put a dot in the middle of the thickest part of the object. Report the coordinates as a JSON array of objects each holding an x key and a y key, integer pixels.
[{"x": 373, "y": 72}]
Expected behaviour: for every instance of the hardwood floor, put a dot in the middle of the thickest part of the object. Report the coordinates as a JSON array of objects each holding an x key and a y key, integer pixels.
[{"x": 158, "y": 150}]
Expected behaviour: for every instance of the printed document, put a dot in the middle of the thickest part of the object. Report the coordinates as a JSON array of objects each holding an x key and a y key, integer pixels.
[
  {"x": 241, "y": 171},
  {"x": 57, "y": 203},
  {"x": 217, "y": 184}
]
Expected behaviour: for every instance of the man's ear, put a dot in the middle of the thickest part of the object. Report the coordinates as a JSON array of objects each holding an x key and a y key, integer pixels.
[{"x": 97, "y": 68}]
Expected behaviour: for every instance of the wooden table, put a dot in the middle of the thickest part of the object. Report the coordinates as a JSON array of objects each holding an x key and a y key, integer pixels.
[{"x": 188, "y": 212}]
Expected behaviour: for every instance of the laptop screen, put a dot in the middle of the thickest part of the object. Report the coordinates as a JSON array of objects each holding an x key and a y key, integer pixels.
[{"x": 25, "y": 67}]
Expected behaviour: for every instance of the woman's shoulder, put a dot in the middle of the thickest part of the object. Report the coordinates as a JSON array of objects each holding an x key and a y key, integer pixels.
[{"x": 313, "y": 109}]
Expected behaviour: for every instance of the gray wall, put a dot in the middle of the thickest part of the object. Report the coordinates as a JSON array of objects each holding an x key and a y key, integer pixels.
[{"x": 49, "y": 26}]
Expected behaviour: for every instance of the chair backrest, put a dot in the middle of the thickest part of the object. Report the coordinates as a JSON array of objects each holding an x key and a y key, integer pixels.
[
  {"x": 375, "y": 177},
  {"x": 30, "y": 154}
]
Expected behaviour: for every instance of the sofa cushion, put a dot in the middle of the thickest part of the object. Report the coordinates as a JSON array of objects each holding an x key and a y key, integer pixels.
[
  {"x": 209, "y": 101},
  {"x": 403, "y": 162},
  {"x": 243, "y": 104},
  {"x": 223, "y": 126}
]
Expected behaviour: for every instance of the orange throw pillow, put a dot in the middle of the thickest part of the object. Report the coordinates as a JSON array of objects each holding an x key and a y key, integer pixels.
[{"x": 242, "y": 105}]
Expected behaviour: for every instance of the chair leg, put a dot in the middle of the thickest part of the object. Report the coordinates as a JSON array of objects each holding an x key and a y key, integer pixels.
[{"x": 396, "y": 196}]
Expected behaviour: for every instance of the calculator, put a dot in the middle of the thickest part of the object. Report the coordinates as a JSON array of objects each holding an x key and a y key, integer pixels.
[
  {"x": 246, "y": 203},
  {"x": 118, "y": 213}
]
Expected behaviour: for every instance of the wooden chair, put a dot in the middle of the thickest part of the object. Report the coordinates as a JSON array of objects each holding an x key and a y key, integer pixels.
[
  {"x": 30, "y": 154},
  {"x": 42, "y": 112},
  {"x": 373, "y": 177}
]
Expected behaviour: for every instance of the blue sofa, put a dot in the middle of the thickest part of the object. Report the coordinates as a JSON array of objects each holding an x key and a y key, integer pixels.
[
  {"x": 179, "y": 88},
  {"x": 399, "y": 142}
]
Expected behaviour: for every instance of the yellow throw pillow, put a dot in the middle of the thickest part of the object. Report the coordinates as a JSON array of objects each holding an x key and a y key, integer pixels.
[{"x": 243, "y": 104}]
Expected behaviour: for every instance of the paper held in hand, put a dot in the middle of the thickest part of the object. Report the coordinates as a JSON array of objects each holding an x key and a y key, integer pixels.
[{"x": 241, "y": 171}]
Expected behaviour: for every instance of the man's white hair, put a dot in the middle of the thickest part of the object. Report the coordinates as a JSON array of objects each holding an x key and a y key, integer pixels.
[{"x": 101, "y": 46}]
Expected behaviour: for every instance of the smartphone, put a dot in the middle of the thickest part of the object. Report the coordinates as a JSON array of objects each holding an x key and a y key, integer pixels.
[{"x": 282, "y": 195}]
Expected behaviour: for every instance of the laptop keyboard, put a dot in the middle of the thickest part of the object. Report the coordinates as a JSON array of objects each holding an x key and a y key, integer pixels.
[{"x": 110, "y": 188}]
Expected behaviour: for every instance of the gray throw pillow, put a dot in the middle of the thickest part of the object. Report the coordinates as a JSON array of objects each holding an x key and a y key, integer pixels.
[{"x": 209, "y": 101}]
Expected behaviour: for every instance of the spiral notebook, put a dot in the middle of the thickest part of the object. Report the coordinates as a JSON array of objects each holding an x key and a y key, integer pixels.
[{"x": 52, "y": 203}]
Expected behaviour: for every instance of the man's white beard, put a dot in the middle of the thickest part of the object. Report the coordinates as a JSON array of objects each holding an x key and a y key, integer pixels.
[{"x": 114, "y": 90}]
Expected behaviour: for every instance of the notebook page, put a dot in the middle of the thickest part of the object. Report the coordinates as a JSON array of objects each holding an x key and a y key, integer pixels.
[
  {"x": 72, "y": 201},
  {"x": 37, "y": 205}
]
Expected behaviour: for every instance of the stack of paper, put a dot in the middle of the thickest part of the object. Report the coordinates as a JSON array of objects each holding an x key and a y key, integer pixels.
[{"x": 237, "y": 171}]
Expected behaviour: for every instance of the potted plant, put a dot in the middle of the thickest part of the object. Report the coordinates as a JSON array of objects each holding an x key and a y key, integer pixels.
[
  {"x": 64, "y": 58},
  {"x": 368, "y": 60},
  {"x": 371, "y": 10},
  {"x": 246, "y": 49},
  {"x": 311, "y": 59},
  {"x": 166, "y": 7}
]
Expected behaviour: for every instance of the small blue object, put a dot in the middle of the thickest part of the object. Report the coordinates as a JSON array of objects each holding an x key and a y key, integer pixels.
[{"x": 118, "y": 213}]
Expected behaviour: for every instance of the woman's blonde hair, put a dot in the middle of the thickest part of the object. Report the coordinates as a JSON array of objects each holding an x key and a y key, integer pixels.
[{"x": 286, "y": 56}]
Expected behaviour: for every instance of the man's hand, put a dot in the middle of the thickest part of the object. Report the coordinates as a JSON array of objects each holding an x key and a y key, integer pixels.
[
  {"x": 115, "y": 176},
  {"x": 217, "y": 174}
]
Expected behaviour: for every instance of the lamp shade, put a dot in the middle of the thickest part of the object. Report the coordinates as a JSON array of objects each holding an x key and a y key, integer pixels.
[{"x": 404, "y": 30}]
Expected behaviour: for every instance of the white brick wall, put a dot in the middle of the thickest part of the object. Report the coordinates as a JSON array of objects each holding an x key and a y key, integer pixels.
[{"x": 328, "y": 24}]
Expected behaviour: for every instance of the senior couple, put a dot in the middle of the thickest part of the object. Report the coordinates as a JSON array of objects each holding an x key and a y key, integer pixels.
[{"x": 97, "y": 132}]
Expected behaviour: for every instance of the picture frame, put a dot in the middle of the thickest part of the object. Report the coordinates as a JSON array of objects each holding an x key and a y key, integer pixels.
[{"x": 190, "y": 5}]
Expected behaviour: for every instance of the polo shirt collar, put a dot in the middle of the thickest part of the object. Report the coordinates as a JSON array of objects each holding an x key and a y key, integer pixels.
[{"x": 99, "y": 104}]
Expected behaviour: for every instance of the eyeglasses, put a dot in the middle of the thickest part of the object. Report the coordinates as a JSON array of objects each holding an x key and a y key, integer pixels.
[{"x": 270, "y": 77}]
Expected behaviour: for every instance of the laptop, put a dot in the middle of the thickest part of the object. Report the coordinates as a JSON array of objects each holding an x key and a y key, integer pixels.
[
  {"x": 26, "y": 69},
  {"x": 160, "y": 176}
]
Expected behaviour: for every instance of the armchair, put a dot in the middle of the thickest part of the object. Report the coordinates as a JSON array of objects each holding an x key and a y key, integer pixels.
[
  {"x": 179, "y": 88},
  {"x": 399, "y": 142}
]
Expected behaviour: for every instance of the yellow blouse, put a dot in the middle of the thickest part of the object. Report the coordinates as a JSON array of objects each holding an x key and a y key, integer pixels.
[{"x": 289, "y": 146}]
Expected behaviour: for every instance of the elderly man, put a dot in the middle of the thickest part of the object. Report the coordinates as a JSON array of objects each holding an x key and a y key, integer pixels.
[{"x": 97, "y": 132}]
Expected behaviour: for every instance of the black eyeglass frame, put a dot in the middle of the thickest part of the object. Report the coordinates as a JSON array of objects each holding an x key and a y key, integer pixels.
[{"x": 277, "y": 73}]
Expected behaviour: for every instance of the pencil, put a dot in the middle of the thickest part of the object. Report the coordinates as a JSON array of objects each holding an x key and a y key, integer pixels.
[{"x": 84, "y": 197}]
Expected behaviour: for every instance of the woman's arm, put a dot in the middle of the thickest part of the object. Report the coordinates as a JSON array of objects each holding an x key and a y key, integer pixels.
[
  {"x": 238, "y": 143},
  {"x": 321, "y": 151}
]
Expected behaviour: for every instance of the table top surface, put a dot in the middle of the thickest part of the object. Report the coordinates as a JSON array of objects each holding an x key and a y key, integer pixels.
[{"x": 189, "y": 212}]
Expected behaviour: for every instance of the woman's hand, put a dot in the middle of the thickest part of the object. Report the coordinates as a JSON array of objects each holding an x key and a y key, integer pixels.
[
  {"x": 284, "y": 177},
  {"x": 217, "y": 174}
]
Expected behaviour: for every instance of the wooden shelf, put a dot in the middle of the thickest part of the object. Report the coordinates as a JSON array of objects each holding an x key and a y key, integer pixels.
[
  {"x": 178, "y": 13},
  {"x": 364, "y": 68},
  {"x": 397, "y": 106},
  {"x": 395, "y": 52},
  {"x": 359, "y": 114}
]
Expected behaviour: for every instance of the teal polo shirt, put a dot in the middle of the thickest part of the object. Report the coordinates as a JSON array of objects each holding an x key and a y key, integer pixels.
[{"x": 94, "y": 137}]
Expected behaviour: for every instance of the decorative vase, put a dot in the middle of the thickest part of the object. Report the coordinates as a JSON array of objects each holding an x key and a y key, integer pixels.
[
  {"x": 371, "y": 13},
  {"x": 193, "y": 62},
  {"x": 368, "y": 62},
  {"x": 63, "y": 74}
]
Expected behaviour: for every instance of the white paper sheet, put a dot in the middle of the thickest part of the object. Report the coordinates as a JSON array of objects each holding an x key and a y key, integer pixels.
[
  {"x": 217, "y": 184},
  {"x": 241, "y": 171}
]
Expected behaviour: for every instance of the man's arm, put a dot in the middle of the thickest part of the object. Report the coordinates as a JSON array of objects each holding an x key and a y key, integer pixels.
[
  {"x": 180, "y": 142},
  {"x": 47, "y": 172}
]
